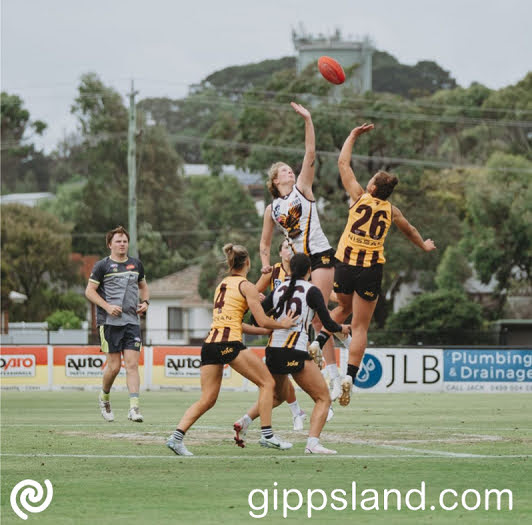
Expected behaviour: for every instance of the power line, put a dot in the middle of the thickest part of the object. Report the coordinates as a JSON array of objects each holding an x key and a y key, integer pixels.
[
  {"x": 365, "y": 158},
  {"x": 372, "y": 98},
  {"x": 362, "y": 99},
  {"x": 341, "y": 111},
  {"x": 184, "y": 139}
]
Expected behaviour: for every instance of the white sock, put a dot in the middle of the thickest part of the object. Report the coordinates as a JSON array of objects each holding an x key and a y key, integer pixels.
[
  {"x": 332, "y": 370},
  {"x": 295, "y": 408},
  {"x": 312, "y": 442},
  {"x": 247, "y": 420}
]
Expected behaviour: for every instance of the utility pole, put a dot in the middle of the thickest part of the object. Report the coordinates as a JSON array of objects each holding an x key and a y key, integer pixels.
[{"x": 132, "y": 173}]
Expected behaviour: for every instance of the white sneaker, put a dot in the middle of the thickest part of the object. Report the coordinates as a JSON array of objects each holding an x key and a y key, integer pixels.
[
  {"x": 299, "y": 420},
  {"x": 178, "y": 447},
  {"x": 316, "y": 353},
  {"x": 347, "y": 386},
  {"x": 335, "y": 386},
  {"x": 135, "y": 415},
  {"x": 241, "y": 429},
  {"x": 319, "y": 449},
  {"x": 274, "y": 442},
  {"x": 105, "y": 409},
  {"x": 330, "y": 414}
]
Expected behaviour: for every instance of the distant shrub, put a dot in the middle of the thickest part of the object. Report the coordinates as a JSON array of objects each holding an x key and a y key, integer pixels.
[{"x": 63, "y": 319}]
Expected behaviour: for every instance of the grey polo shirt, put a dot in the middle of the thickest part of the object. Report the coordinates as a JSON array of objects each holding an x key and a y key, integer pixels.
[{"x": 118, "y": 284}]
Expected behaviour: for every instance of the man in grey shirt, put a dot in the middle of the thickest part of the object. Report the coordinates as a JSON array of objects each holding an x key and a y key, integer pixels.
[{"x": 114, "y": 287}]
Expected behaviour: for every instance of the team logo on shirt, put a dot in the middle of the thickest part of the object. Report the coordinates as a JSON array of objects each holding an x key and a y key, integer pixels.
[
  {"x": 130, "y": 267},
  {"x": 290, "y": 221}
]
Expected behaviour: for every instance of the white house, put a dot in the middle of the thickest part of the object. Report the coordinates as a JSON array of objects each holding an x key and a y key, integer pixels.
[
  {"x": 28, "y": 199},
  {"x": 177, "y": 314}
]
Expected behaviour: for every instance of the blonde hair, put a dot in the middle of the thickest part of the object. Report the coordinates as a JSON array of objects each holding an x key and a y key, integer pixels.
[
  {"x": 235, "y": 256},
  {"x": 272, "y": 175}
]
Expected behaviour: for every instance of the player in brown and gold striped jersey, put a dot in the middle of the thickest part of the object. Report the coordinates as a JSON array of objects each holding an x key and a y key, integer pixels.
[
  {"x": 223, "y": 345},
  {"x": 360, "y": 253}
]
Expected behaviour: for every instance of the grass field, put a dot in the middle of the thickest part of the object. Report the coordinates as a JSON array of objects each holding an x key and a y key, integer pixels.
[{"x": 121, "y": 472}]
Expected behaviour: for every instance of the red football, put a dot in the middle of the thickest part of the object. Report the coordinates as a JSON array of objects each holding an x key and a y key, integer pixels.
[{"x": 331, "y": 70}]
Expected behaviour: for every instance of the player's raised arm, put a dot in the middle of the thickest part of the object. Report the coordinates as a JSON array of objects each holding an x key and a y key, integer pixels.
[
  {"x": 411, "y": 232},
  {"x": 349, "y": 180},
  {"x": 266, "y": 240},
  {"x": 306, "y": 176}
]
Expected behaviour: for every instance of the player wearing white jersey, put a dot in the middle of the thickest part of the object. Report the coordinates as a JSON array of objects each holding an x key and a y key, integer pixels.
[
  {"x": 294, "y": 211},
  {"x": 274, "y": 279},
  {"x": 286, "y": 352}
]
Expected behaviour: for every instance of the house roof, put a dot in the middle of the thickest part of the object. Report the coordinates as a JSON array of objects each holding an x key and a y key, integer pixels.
[
  {"x": 28, "y": 199},
  {"x": 181, "y": 285},
  {"x": 86, "y": 263}
]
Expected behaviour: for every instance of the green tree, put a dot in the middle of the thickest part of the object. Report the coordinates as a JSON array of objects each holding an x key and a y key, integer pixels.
[
  {"x": 442, "y": 317},
  {"x": 423, "y": 79},
  {"x": 70, "y": 300},
  {"x": 63, "y": 319},
  {"x": 161, "y": 188},
  {"x": 228, "y": 215},
  {"x": 513, "y": 103},
  {"x": 23, "y": 168},
  {"x": 453, "y": 269},
  {"x": 68, "y": 204},
  {"x": 225, "y": 128},
  {"x": 95, "y": 197},
  {"x": 36, "y": 249},
  {"x": 157, "y": 258},
  {"x": 499, "y": 220},
  {"x": 255, "y": 74}
]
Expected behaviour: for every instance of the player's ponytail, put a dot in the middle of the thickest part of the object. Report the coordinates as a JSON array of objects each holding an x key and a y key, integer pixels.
[
  {"x": 299, "y": 266},
  {"x": 235, "y": 256}
]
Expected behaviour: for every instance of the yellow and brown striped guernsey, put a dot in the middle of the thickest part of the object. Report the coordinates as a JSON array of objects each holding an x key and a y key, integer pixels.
[
  {"x": 368, "y": 223},
  {"x": 278, "y": 276},
  {"x": 229, "y": 309}
]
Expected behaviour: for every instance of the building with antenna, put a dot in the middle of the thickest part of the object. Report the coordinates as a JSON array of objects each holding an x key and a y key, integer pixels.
[{"x": 355, "y": 56}]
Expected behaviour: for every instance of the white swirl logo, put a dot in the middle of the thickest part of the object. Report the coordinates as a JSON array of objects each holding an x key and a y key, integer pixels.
[{"x": 32, "y": 491}]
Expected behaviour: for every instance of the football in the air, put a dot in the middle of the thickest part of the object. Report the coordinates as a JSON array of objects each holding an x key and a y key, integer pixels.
[{"x": 331, "y": 70}]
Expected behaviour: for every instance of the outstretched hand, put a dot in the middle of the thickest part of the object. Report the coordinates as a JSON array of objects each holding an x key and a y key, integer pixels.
[
  {"x": 290, "y": 320},
  {"x": 300, "y": 110},
  {"x": 429, "y": 245},
  {"x": 360, "y": 130}
]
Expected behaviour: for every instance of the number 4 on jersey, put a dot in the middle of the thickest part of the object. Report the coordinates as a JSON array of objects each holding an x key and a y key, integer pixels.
[{"x": 220, "y": 299}]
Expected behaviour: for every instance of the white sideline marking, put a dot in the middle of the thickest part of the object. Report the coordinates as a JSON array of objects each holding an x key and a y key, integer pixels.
[
  {"x": 431, "y": 430},
  {"x": 283, "y": 456}
]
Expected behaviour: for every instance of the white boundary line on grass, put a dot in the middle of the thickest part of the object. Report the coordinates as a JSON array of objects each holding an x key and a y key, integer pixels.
[
  {"x": 282, "y": 455},
  {"x": 406, "y": 428}
]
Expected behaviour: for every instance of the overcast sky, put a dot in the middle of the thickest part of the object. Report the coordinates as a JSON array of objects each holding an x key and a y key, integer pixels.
[{"x": 165, "y": 45}]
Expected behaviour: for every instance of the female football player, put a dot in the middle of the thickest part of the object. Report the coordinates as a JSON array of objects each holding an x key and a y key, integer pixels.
[
  {"x": 360, "y": 253},
  {"x": 286, "y": 352},
  {"x": 223, "y": 345},
  {"x": 294, "y": 211}
]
